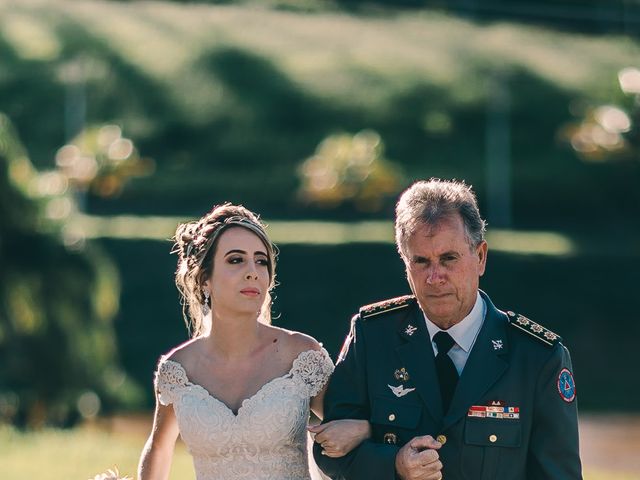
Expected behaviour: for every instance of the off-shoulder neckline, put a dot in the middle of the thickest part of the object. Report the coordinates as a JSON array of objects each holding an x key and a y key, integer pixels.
[{"x": 165, "y": 360}]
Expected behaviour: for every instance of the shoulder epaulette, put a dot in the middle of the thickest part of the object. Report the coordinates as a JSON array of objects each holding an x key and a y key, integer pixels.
[
  {"x": 534, "y": 329},
  {"x": 386, "y": 306}
]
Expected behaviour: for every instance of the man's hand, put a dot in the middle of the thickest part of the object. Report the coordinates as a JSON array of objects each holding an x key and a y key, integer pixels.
[{"x": 419, "y": 459}]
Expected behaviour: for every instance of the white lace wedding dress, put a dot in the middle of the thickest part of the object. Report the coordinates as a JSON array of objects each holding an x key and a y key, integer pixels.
[{"x": 266, "y": 440}]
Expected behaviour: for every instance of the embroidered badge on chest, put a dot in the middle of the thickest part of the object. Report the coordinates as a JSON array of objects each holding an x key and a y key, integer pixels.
[
  {"x": 401, "y": 374},
  {"x": 400, "y": 391},
  {"x": 566, "y": 386}
]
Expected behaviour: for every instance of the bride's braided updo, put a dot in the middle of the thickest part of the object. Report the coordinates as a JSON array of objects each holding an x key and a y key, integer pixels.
[{"x": 195, "y": 244}]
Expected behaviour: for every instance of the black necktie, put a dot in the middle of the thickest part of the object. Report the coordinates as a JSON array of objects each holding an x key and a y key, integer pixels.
[{"x": 447, "y": 373}]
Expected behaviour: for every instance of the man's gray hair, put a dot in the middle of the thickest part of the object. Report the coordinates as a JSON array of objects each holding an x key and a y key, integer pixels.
[{"x": 428, "y": 202}]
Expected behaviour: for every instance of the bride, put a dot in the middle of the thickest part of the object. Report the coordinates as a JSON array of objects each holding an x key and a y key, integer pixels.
[{"x": 239, "y": 392}]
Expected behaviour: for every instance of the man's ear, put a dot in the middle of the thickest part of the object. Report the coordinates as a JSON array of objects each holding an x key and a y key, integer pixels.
[{"x": 482, "y": 250}]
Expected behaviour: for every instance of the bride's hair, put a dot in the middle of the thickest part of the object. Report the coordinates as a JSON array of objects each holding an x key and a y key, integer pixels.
[{"x": 195, "y": 244}]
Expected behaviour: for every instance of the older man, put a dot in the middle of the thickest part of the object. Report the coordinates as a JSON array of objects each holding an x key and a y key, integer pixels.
[{"x": 453, "y": 387}]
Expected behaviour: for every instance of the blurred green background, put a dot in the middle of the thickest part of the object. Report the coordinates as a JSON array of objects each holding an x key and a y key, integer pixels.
[{"x": 120, "y": 119}]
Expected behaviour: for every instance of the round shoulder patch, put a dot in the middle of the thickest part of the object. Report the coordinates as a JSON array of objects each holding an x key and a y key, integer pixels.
[{"x": 566, "y": 385}]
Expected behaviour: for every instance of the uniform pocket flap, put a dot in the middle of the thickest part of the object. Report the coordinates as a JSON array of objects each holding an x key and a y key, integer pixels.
[
  {"x": 492, "y": 432},
  {"x": 392, "y": 412}
]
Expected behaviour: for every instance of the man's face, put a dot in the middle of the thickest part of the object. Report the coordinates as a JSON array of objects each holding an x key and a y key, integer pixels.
[{"x": 444, "y": 270}]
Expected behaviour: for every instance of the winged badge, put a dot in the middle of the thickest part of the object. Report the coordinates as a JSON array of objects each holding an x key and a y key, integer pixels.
[{"x": 400, "y": 391}]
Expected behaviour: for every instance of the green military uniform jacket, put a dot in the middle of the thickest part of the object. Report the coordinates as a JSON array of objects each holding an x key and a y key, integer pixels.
[{"x": 513, "y": 415}]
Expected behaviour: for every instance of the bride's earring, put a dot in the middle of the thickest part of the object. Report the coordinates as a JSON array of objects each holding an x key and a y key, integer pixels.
[{"x": 206, "y": 308}]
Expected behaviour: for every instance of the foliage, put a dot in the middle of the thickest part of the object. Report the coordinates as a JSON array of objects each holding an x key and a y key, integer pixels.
[
  {"x": 229, "y": 100},
  {"x": 101, "y": 160},
  {"x": 612, "y": 131},
  {"x": 58, "y": 296},
  {"x": 348, "y": 168}
]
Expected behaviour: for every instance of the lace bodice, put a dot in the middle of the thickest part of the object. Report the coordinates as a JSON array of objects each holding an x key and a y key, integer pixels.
[{"x": 267, "y": 438}]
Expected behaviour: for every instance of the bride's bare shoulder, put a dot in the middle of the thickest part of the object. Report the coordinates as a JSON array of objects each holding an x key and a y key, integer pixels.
[
  {"x": 185, "y": 352},
  {"x": 296, "y": 342}
]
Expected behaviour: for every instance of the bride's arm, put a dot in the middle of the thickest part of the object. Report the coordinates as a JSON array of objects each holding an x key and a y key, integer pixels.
[
  {"x": 317, "y": 403},
  {"x": 155, "y": 461},
  {"x": 337, "y": 437}
]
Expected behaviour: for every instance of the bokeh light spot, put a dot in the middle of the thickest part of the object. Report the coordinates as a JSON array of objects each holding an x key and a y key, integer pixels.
[{"x": 629, "y": 79}]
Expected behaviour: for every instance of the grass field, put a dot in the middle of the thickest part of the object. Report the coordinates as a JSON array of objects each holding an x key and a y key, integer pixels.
[
  {"x": 77, "y": 454},
  {"x": 84, "y": 452}
]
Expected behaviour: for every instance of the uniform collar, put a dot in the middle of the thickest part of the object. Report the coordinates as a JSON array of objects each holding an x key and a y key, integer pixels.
[{"x": 465, "y": 332}]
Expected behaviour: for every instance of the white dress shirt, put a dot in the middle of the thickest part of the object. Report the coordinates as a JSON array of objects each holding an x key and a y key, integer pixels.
[{"x": 463, "y": 333}]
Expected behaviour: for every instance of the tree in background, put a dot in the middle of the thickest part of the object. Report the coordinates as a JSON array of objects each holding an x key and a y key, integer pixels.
[
  {"x": 101, "y": 160},
  {"x": 350, "y": 169},
  {"x": 612, "y": 131},
  {"x": 58, "y": 297}
]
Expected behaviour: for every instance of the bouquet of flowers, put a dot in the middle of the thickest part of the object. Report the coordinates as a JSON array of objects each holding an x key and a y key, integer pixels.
[{"x": 110, "y": 475}]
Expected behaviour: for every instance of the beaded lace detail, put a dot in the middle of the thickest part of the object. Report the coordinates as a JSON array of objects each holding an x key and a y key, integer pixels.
[{"x": 267, "y": 438}]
